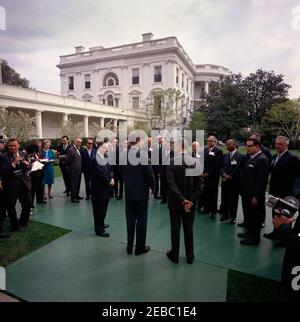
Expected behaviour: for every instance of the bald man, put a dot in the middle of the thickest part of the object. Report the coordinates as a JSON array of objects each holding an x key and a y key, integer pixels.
[
  {"x": 212, "y": 163},
  {"x": 230, "y": 172}
]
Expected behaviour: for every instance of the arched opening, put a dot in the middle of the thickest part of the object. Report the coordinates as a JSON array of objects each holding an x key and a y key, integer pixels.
[{"x": 110, "y": 79}]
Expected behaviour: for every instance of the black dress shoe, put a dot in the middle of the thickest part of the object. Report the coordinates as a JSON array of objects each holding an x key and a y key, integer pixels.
[
  {"x": 68, "y": 194},
  {"x": 233, "y": 221},
  {"x": 272, "y": 236},
  {"x": 64, "y": 191},
  {"x": 104, "y": 234},
  {"x": 79, "y": 198},
  {"x": 129, "y": 250},
  {"x": 224, "y": 218},
  {"x": 75, "y": 201},
  {"x": 143, "y": 251},
  {"x": 249, "y": 242},
  {"x": 2, "y": 236},
  {"x": 190, "y": 260},
  {"x": 243, "y": 235},
  {"x": 106, "y": 225},
  {"x": 87, "y": 198},
  {"x": 171, "y": 257},
  {"x": 242, "y": 224}
]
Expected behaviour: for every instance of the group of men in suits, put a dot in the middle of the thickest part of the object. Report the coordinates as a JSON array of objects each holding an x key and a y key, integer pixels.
[{"x": 247, "y": 176}]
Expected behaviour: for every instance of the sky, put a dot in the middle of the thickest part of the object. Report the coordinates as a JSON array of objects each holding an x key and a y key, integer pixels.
[{"x": 242, "y": 35}]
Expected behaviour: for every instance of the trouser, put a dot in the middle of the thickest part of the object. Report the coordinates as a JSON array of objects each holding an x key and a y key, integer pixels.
[
  {"x": 66, "y": 177},
  {"x": 100, "y": 205},
  {"x": 136, "y": 219},
  {"x": 210, "y": 195},
  {"x": 87, "y": 180},
  {"x": 75, "y": 180},
  {"x": 119, "y": 186},
  {"x": 164, "y": 184},
  {"x": 187, "y": 219},
  {"x": 252, "y": 217},
  {"x": 37, "y": 186},
  {"x": 230, "y": 199},
  {"x": 3, "y": 205},
  {"x": 156, "y": 180},
  {"x": 20, "y": 192}
]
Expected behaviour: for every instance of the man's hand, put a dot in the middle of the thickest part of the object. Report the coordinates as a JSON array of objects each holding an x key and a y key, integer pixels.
[
  {"x": 254, "y": 201},
  {"x": 187, "y": 205},
  {"x": 279, "y": 220},
  {"x": 205, "y": 175},
  {"x": 26, "y": 163},
  {"x": 1, "y": 187},
  {"x": 17, "y": 160},
  {"x": 112, "y": 182}
]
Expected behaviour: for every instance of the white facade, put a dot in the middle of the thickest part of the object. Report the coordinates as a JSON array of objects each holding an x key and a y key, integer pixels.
[
  {"x": 124, "y": 76},
  {"x": 50, "y": 111}
]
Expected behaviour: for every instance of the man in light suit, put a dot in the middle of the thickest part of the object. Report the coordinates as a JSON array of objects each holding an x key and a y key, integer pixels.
[
  {"x": 74, "y": 166},
  {"x": 86, "y": 155}
]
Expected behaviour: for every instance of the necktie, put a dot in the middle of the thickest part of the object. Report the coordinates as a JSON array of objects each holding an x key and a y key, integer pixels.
[{"x": 277, "y": 158}]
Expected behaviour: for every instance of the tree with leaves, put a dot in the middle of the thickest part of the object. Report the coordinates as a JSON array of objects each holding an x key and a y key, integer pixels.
[
  {"x": 283, "y": 119},
  {"x": 11, "y": 77},
  {"x": 264, "y": 89},
  {"x": 71, "y": 129},
  {"x": 16, "y": 125},
  {"x": 159, "y": 107}
]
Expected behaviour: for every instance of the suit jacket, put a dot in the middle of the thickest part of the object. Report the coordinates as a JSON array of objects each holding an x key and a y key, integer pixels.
[
  {"x": 212, "y": 162},
  {"x": 284, "y": 174},
  {"x": 233, "y": 166},
  {"x": 138, "y": 178},
  {"x": 255, "y": 176},
  {"x": 11, "y": 176},
  {"x": 101, "y": 177},
  {"x": 86, "y": 160},
  {"x": 180, "y": 185},
  {"x": 74, "y": 160},
  {"x": 61, "y": 151}
]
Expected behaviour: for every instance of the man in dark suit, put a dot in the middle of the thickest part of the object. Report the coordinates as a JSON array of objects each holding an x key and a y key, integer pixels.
[
  {"x": 268, "y": 154},
  {"x": 101, "y": 184},
  {"x": 230, "y": 172},
  {"x": 212, "y": 163},
  {"x": 86, "y": 155},
  {"x": 2, "y": 197},
  {"x": 15, "y": 168},
  {"x": 156, "y": 161},
  {"x": 138, "y": 178},
  {"x": 119, "y": 183},
  {"x": 253, "y": 186},
  {"x": 62, "y": 152},
  {"x": 183, "y": 191},
  {"x": 285, "y": 167},
  {"x": 74, "y": 168}
]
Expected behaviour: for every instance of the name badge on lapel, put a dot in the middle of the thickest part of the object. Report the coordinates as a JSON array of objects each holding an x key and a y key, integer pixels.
[
  {"x": 212, "y": 153},
  {"x": 233, "y": 162}
]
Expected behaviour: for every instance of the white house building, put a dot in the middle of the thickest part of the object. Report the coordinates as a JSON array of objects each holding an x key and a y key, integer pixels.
[{"x": 125, "y": 75}]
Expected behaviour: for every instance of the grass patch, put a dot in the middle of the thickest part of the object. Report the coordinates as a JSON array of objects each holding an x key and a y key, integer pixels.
[
  {"x": 242, "y": 287},
  {"x": 28, "y": 240}
]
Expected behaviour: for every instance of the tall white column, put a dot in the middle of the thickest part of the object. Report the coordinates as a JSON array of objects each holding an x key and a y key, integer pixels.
[
  {"x": 65, "y": 118},
  {"x": 207, "y": 87},
  {"x": 102, "y": 122},
  {"x": 115, "y": 124},
  {"x": 1, "y": 61},
  {"x": 86, "y": 126},
  {"x": 39, "y": 125}
]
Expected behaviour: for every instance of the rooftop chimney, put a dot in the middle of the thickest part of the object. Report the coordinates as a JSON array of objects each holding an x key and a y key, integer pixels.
[
  {"x": 148, "y": 36},
  {"x": 79, "y": 49}
]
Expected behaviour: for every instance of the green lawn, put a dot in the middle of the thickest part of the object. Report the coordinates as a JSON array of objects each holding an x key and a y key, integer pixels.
[
  {"x": 28, "y": 240},
  {"x": 243, "y": 287}
]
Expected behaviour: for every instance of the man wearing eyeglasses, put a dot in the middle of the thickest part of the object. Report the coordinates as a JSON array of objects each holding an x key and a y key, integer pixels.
[{"x": 253, "y": 185}]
